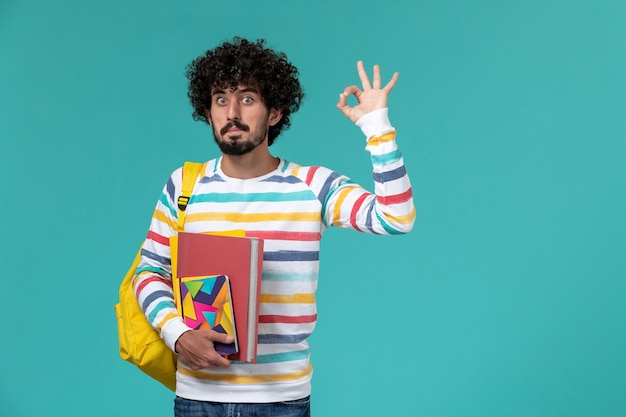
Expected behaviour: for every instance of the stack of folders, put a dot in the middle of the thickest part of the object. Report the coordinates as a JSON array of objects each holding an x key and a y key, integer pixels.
[{"x": 218, "y": 286}]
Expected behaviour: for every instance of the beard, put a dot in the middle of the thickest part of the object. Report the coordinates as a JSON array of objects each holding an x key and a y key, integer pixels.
[{"x": 239, "y": 146}]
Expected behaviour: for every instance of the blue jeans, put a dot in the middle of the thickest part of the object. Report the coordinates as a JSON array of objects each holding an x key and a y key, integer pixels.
[{"x": 191, "y": 408}]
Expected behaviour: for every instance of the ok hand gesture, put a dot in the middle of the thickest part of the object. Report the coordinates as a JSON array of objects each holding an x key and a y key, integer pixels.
[{"x": 371, "y": 97}]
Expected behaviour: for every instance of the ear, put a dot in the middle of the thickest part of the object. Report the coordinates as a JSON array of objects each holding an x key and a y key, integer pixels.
[
  {"x": 275, "y": 116},
  {"x": 207, "y": 114}
]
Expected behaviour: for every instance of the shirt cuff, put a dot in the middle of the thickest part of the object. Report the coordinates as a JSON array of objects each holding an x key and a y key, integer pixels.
[
  {"x": 172, "y": 331},
  {"x": 375, "y": 123}
]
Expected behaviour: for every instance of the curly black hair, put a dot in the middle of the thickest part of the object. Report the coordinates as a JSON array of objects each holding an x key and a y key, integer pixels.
[{"x": 240, "y": 62}]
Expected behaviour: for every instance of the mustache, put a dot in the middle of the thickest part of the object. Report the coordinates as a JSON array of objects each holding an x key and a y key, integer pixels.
[{"x": 236, "y": 124}]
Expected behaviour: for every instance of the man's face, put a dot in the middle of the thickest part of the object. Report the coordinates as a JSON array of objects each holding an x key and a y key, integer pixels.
[{"x": 240, "y": 119}]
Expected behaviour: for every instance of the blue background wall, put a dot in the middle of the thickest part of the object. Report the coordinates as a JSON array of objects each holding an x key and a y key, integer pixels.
[{"x": 507, "y": 299}]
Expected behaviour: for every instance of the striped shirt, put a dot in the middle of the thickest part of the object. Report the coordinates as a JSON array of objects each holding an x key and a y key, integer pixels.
[{"x": 289, "y": 208}]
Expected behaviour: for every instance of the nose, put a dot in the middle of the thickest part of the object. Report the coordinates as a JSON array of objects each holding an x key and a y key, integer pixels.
[{"x": 233, "y": 110}]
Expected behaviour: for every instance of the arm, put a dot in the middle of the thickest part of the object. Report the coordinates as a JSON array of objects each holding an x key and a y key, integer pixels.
[
  {"x": 390, "y": 209},
  {"x": 153, "y": 287}
]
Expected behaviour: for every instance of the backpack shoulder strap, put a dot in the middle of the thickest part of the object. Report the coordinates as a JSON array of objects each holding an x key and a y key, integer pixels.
[{"x": 191, "y": 170}]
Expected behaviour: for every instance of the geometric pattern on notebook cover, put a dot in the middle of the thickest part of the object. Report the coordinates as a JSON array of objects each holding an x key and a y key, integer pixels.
[{"x": 206, "y": 305}]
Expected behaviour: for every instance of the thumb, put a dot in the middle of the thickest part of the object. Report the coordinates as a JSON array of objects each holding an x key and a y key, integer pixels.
[{"x": 342, "y": 104}]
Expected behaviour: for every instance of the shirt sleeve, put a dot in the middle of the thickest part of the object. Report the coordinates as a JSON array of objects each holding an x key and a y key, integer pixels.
[
  {"x": 389, "y": 209},
  {"x": 153, "y": 277}
]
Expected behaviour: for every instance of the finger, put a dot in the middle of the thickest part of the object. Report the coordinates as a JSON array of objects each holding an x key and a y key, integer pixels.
[
  {"x": 365, "y": 81},
  {"x": 352, "y": 90},
  {"x": 222, "y": 362},
  {"x": 212, "y": 359},
  {"x": 343, "y": 101},
  {"x": 342, "y": 105},
  {"x": 392, "y": 82},
  {"x": 216, "y": 359},
  {"x": 376, "y": 78},
  {"x": 223, "y": 338},
  {"x": 214, "y": 336}
]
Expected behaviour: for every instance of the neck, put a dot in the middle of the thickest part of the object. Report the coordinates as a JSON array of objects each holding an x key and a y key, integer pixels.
[{"x": 251, "y": 165}]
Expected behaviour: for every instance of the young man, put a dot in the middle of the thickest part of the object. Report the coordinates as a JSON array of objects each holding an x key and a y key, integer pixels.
[{"x": 247, "y": 92}]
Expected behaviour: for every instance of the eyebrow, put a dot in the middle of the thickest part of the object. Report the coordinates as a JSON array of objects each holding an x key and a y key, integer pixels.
[{"x": 242, "y": 90}]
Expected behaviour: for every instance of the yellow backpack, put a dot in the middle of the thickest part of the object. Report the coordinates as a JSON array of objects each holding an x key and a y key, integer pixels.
[{"x": 140, "y": 343}]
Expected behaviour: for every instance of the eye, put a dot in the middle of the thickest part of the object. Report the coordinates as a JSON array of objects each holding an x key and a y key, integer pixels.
[
  {"x": 247, "y": 100},
  {"x": 220, "y": 100}
]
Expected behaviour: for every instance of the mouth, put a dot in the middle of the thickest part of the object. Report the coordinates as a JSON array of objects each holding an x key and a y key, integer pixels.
[
  {"x": 234, "y": 132},
  {"x": 234, "y": 129}
]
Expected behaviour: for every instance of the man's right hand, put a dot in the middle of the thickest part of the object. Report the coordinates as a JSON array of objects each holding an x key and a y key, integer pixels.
[{"x": 195, "y": 348}]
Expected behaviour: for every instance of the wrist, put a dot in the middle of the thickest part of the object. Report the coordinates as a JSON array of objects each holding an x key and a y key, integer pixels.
[
  {"x": 171, "y": 332},
  {"x": 178, "y": 340},
  {"x": 375, "y": 123}
]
